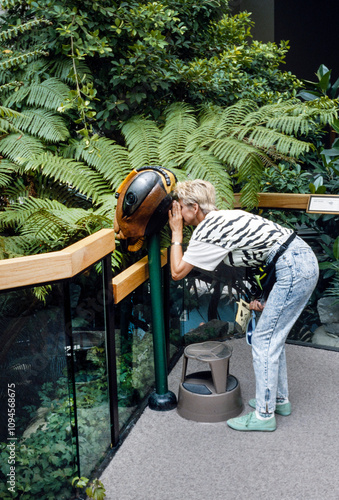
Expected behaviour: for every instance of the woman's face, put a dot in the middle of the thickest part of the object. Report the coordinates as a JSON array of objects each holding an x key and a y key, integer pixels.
[{"x": 189, "y": 214}]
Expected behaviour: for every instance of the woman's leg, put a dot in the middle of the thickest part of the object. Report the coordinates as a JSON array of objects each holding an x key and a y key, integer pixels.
[{"x": 297, "y": 274}]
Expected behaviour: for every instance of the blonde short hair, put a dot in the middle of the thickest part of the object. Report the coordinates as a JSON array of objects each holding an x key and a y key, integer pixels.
[{"x": 196, "y": 191}]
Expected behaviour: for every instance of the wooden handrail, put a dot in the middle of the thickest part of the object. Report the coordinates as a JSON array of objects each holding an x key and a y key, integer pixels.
[
  {"x": 66, "y": 263},
  {"x": 54, "y": 266},
  {"x": 279, "y": 200},
  {"x": 129, "y": 279}
]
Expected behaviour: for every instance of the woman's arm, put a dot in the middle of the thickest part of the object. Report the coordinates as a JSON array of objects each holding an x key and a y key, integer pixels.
[{"x": 179, "y": 268}]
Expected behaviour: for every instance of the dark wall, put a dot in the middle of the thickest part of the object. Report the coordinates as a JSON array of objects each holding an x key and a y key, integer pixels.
[
  {"x": 312, "y": 28},
  {"x": 313, "y": 32}
]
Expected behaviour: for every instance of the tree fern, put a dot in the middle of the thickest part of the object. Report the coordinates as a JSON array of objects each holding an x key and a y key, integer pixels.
[
  {"x": 9, "y": 113},
  {"x": 74, "y": 174},
  {"x": 7, "y": 168},
  {"x": 204, "y": 165},
  {"x": 21, "y": 59},
  {"x": 63, "y": 69},
  {"x": 20, "y": 147},
  {"x": 180, "y": 124},
  {"x": 105, "y": 156},
  {"x": 44, "y": 124},
  {"x": 142, "y": 137},
  {"x": 225, "y": 146},
  {"x": 49, "y": 94},
  {"x": 16, "y": 31}
]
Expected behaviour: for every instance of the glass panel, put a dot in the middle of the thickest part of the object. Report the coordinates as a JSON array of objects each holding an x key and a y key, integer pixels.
[
  {"x": 134, "y": 345},
  {"x": 38, "y": 456},
  {"x": 87, "y": 299},
  {"x": 214, "y": 295},
  {"x": 207, "y": 299},
  {"x": 318, "y": 324}
]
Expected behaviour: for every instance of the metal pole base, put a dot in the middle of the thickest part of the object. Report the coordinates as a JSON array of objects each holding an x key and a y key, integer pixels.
[{"x": 162, "y": 402}]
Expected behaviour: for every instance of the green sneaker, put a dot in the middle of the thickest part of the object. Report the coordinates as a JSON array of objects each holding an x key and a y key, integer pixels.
[
  {"x": 250, "y": 422},
  {"x": 280, "y": 409}
]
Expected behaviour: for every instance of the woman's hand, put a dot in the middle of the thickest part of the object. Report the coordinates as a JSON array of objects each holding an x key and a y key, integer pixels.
[
  {"x": 175, "y": 219},
  {"x": 256, "y": 305}
]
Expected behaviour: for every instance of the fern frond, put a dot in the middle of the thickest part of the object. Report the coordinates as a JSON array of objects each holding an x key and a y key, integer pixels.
[
  {"x": 265, "y": 138},
  {"x": 204, "y": 165},
  {"x": 6, "y": 127},
  {"x": 35, "y": 216},
  {"x": 180, "y": 123},
  {"x": 8, "y": 4},
  {"x": 48, "y": 221},
  {"x": 105, "y": 156},
  {"x": 291, "y": 117},
  {"x": 21, "y": 59},
  {"x": 49, "y": 94},
  {"x": 7, "y": 168},
  {"x": 106, "y": 206},
  {"x": 9, "y": 113},
  {"x": 10, "y": 85},
  {"x": 44, "y": 124},
  {"x": 19, "y": 147},
  {"x": 142, "y": 137},
  {"x": 216, "y": 122},
  {"x": 22, "y": 28},
  {"x": 71, "y": 173},
  {"x": 235, "y": 114},
  {"x": 232, "y": 151},
  {"x": 250, "y": 174},
  {"x": 17, "y": 246},
  {"x": 63, "y": 70},
  {"x": 209, "y": 120}
]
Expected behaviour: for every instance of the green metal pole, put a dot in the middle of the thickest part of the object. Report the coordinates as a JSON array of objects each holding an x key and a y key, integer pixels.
[{"x": 161, "y": 399}]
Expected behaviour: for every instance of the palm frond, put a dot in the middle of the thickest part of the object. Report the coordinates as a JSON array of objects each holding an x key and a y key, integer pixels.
[{"x": 142, "y": 138}]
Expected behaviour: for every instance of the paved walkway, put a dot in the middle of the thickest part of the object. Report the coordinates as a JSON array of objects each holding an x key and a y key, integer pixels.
[{"x": 166, "y": 457}]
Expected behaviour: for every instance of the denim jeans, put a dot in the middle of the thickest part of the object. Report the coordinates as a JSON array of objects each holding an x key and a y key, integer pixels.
[{"x": 297, "y": 274}]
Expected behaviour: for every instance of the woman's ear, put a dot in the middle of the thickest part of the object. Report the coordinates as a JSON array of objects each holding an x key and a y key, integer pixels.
[{"x": 195, "y": 207}]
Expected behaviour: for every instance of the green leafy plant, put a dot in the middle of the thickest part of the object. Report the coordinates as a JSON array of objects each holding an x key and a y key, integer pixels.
[
  {"x": 94, "y": 489},
  {"x": 331, "y": 266},
  {"x": 145, "y": 55},
  {"x": 322, "y": 87},
  {"x": 227, "y": 146}
]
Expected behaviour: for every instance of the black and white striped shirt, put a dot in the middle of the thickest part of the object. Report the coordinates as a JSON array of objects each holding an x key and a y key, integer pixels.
[{"x": 238, "y": 238}]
